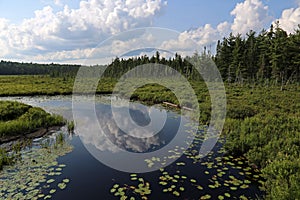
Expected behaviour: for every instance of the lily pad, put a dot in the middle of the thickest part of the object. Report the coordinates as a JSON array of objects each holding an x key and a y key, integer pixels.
[
  {"x": 233, "y": 188},
  {"x": 66, "y": 180},
  {"x": 48, "y": 197},
  {"x": 227, "y": 194},
  {"x": 50, "y": 181},
  {"x": 205, "y": 197},
  {"x": 62, "y": 186},
  {"x": 220, "y": 197},
  {"x": 176, "y": 193},
  {"x": 52, "y": 191},
  {"x": 193, "y": 180}
]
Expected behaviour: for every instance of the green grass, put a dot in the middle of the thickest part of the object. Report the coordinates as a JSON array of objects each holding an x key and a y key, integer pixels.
[
  {"x": 12, "y": 110},
  {"x": 34, "y": 85},
  {"x": 43, "y": 85},
  {"x": 20, "y": 119}
]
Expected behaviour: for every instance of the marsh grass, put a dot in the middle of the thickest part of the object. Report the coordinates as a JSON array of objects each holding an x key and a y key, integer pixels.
[
  {"x": 5, "y": 158},
  {"x": 59, "y": 139},
  {"x": 71, "y": 127},
  {"x": 20, "y": 119}
]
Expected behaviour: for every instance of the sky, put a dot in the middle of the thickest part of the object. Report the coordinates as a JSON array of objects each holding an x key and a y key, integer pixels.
[{"x": 73, "y": 31}]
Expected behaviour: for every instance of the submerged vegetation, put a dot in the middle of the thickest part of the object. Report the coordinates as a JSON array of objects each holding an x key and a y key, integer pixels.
[
  {"x": 37, "y": 174},
  {"x": 12, "y": 155},
  {"x": 5, "y": 158}
]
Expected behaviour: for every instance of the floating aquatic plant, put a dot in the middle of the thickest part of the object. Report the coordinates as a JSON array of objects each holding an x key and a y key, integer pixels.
[
  {"x": 221, "y": 171},
  {"x": 62, "y": 185},
  {"x": 140, "y": 189},
  {"x": 34, "y": 174},
  {"x": 207, "y": 196}
]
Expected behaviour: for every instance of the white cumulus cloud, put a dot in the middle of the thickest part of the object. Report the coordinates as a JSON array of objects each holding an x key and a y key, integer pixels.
[
  {"x": 190, "y": 41},
  {"x": 290, "y": 19},
  {"x": 73, "y": 29},
  {"x": 250, "y": 15}
]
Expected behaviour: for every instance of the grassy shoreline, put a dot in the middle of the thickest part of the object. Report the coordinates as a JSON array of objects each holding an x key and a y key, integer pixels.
[
  {"x": 21, "y": 119},
  {"x": 21, "y": 122}
]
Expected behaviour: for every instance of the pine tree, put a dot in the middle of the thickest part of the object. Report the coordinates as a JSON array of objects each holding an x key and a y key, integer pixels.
[
  {"x": 250, "y": 56},
  {"x": 279, "y": 54}
]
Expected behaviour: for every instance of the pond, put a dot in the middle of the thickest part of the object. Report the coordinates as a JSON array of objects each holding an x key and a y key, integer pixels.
[{"x": 75, "y": 172}]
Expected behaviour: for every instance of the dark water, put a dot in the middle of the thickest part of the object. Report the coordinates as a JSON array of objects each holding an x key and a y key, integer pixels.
[{"x": 214, "y": 175}]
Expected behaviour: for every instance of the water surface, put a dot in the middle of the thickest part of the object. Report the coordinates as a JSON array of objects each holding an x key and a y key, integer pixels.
[{"x": 215, "y": 176}]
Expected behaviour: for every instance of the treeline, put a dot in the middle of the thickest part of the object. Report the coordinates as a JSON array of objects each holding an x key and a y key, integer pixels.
[
  {"x": 54, "y": 70},
  {"x": 120, "y": 66},
  {"x": 271, "y": 55}
]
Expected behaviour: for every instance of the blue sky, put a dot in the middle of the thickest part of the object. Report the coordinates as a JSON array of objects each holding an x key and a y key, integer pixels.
[
  {"x": 66, "y": 31},
  {"x": 179, "y": 15},
  {"x": 195, "y": 13}
]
